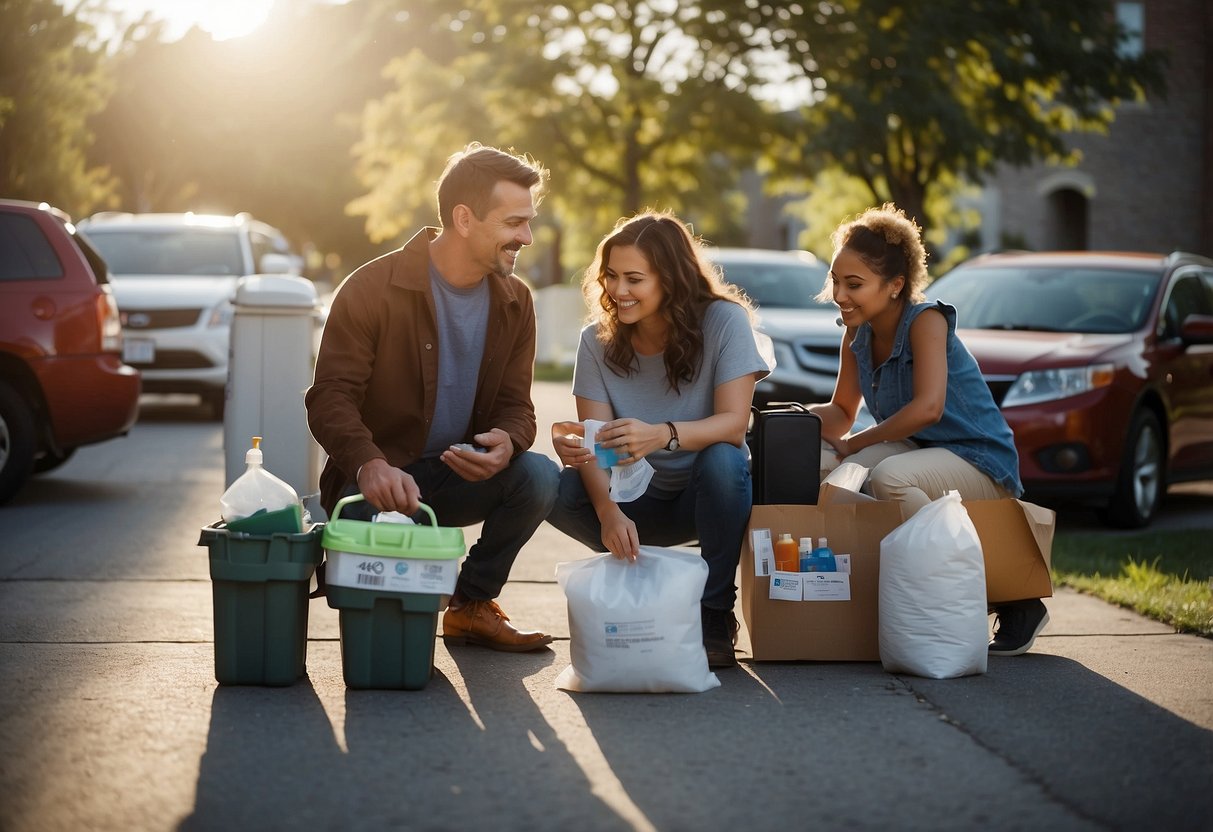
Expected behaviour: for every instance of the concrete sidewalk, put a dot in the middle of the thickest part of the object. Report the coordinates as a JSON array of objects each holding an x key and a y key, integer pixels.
[{"x": 110, "y": 718}]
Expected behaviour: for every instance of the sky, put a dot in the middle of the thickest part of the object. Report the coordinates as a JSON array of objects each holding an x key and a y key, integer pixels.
[{"x": 222, "y": 18}]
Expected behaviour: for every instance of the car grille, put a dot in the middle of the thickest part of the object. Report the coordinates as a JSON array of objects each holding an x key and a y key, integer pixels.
[
  {"x": 818, "y": 357},
  {"x": 176, "y": 360},
  {"x": 144, "y": 319}
]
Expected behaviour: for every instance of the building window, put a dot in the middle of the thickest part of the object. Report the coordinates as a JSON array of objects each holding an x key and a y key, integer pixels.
[{"x": 1132, "y": 18}]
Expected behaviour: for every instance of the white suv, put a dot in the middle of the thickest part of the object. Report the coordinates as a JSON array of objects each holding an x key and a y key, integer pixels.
[{"x": 174, "y": 276}]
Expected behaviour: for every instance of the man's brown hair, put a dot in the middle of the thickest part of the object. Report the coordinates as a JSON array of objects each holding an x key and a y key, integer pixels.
[{"x": 472, "y": 173}]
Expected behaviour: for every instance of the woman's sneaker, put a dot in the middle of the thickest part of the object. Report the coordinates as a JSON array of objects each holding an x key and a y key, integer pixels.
[{"x": 1017, "y": 626}]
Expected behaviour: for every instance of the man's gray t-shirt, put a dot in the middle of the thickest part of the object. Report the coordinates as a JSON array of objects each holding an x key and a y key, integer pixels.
[
  {"x": 729, "y": 352},
  {"x": 463, "y": 316}
]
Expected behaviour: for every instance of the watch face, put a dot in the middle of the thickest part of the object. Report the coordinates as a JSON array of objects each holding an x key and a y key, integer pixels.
[{"x": 673, "y": 444}]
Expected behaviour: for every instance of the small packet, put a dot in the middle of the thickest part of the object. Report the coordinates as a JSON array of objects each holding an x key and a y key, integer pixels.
[{"x": 392, "y": 517}]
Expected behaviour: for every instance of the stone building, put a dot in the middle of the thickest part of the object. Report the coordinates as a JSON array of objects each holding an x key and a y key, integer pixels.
[{"x": 1145, "y": 186}]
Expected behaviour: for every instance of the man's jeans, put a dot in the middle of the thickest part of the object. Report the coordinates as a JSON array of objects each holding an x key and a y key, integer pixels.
[
  {"x": 511, "y": 505},
  {"x": 714, "y": 509}
]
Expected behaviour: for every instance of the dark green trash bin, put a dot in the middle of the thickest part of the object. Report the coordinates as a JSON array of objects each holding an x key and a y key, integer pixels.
[
  {"x": 260, "y": 586},
  {"x": 387, "y": 628},
  {"x": 387, "y": 638}
]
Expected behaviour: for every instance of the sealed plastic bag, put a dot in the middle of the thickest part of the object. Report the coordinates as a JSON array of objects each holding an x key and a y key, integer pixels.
[
  {"x": 933, "y": 618},
  {"x": 635, "y": 626}
]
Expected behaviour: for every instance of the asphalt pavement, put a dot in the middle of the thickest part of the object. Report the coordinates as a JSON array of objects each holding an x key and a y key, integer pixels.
[{"x": 110, "y": 717}]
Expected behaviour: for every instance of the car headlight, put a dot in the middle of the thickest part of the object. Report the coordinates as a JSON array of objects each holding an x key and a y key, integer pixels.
[
  {"x": 1049, "y": 385},
  {"x": 221, "y": 315}
]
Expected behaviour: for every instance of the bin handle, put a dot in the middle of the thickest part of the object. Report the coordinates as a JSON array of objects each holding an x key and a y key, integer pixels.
[{"x": 353, "y": 498}]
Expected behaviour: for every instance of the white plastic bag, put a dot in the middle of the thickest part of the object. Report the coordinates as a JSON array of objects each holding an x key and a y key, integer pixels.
[
  {"x": 635, "y": 627},
  {"x": 933, "y": 618}
]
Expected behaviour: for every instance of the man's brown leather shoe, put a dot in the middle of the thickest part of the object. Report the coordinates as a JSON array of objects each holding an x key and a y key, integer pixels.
[{"x": 483, "y": 623}]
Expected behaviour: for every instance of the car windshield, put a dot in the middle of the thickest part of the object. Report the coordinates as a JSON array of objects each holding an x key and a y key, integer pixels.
[
  {"x": 779, "y": 285},
  {"x": 1048, "y": 298},
  {"x": 195, "y": 251}
]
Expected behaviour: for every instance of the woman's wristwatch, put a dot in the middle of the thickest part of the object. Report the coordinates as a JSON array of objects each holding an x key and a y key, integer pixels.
[{"x": 673, "y": 444}]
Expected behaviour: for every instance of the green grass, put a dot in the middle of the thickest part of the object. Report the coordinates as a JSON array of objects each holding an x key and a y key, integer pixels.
[
  {"x": 553, "y": 372},
  {"x": 1167, "y": 576}
]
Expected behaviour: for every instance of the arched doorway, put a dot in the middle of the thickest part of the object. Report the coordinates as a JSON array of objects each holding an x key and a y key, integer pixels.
[{"x": 1066, "y": 220}]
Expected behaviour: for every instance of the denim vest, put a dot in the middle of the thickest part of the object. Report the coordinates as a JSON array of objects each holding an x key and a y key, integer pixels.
[{"x": 972, "y": 426}]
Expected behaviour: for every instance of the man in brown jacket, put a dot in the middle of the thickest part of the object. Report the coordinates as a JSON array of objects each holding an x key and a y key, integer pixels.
[{"x": 431, "y": 347}]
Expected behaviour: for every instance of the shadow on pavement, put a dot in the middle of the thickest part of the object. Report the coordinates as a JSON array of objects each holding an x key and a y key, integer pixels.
[
  {"x": 270, "y": 756},
  {"x": 901, "y": 752},
  {"x": 1118, "y": 758}
]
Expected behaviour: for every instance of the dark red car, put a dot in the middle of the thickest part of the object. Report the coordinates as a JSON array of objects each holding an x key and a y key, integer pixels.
[
  {"x": 1102, "y": 364},
  {"x": 62, "y": 380}
]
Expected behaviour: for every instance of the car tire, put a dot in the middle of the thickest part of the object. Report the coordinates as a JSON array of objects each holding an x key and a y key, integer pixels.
[
  {"x": 1141, "y": 481},
  {"x": 16, "y": 441}
]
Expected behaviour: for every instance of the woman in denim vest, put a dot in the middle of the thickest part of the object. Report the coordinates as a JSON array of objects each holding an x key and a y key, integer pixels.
[{"x": 937, "y": 428}]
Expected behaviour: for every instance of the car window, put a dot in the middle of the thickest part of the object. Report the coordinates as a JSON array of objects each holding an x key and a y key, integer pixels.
[
  {"x": 778, "y": 286},
  {"x": 193, "y": 251},
  {"x": 1048, "y": 299},
  {"x": 1190, "y": 295},
  {"x": 25, "y": 253}
]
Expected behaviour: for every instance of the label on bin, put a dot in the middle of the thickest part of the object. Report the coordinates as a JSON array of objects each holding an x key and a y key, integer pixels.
[{"x": 431, "y": 577}]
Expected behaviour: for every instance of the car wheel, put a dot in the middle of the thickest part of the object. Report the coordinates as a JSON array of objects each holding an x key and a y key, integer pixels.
[
  {"x": 50, "y": 460},
  {"x": 16, "y": 441},
  {"x": 1140, "y": 484}
]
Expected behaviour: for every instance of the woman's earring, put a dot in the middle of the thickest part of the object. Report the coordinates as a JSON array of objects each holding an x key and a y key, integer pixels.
[{"x": 895, "y": 296}]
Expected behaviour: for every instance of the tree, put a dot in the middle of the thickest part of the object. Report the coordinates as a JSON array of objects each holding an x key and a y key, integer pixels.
[
  {"x": 632, "y": 104},
  {"x": 908, "y": 95},
  {"x": 51, "y": 83}
]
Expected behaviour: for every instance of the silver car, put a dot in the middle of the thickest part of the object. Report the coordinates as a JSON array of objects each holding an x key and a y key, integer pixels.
[
  {"x": 805, "y": 333},
  {"x": 174, "y": 276}
]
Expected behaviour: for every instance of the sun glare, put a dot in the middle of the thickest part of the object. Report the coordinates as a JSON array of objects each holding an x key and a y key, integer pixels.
[
  {"x": 231, "y": 18},
  {"x": 224, "y": 19}
]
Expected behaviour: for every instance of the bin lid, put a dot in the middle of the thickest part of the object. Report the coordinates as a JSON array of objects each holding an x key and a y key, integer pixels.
[
  {"x": 392, "y": 540},
  {"x": 276, "y": 290}
]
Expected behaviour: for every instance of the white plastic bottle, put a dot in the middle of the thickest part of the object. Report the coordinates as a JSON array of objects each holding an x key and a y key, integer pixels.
[{"x": 260, "y": 502}]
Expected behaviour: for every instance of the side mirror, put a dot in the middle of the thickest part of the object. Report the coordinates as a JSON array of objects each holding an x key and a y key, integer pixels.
[
  {"x": 1197, "y": 329},
  {"x": 275, "y": 263}
]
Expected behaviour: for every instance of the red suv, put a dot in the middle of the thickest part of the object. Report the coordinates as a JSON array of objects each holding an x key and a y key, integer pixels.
[
  {"x": 1102, "y": 364},
  {"x": 62, "y": 380}
]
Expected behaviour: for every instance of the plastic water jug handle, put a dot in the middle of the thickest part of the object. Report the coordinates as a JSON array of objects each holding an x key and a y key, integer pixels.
[{"x": 353, "y": 498}]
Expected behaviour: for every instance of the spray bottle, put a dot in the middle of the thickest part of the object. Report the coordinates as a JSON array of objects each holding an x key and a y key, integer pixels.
[{"x": 258, "y": 502}]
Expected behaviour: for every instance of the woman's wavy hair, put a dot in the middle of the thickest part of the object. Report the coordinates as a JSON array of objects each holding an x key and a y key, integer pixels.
[
  {"x": 890, "y": 243},
  {"x": 689, "y": 283}
]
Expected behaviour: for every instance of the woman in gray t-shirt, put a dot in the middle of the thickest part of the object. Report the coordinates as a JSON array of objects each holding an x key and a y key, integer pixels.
[{"x": 669, "y": 364}]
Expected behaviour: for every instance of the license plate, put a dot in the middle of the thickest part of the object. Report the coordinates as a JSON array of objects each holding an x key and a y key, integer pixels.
[{"x": 138, "y": 350}]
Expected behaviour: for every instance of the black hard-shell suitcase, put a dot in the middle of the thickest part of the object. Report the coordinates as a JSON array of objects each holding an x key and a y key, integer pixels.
[{"x": 785, "y": 454}]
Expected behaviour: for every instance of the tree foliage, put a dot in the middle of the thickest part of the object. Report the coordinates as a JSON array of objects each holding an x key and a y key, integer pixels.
[
  {"x": 906, "y": 95},
  {"x": 632, "y": 104},
  {"x": 51, "y": 82}
]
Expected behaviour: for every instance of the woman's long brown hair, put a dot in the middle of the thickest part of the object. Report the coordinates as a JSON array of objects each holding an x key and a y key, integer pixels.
[{"x": 688, "y": 281}]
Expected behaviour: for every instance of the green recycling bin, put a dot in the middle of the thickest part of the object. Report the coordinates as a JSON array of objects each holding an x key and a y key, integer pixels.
[
  {"x": 389, "y": 581},
  {"x": 260, "y": 586}
]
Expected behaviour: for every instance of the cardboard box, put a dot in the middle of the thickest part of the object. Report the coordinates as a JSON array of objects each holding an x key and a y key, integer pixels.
[
  {"x": 819, "y": 630},
  {"x": 1017, "y": 542},
  {"x": 1016, "y": 537}
]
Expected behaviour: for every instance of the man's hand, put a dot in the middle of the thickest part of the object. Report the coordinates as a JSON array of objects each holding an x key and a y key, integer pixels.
[
  {"x": 388, "y": 488},
  {"x": 477, "y": 466}
]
